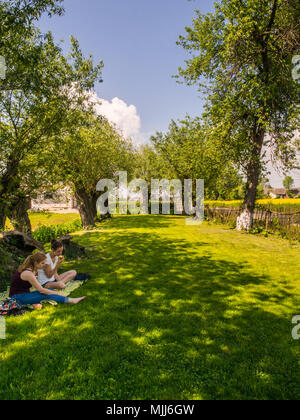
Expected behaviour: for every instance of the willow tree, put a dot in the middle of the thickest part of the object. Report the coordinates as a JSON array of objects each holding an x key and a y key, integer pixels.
[
  {"x": 17, "y": 26},
  {"x": 35, "y": 100},
  {"x": 242, "y": 60},
  {"x": 192, "y": 155},
  {"x": 89, "y": 151},
  {"x": 30, "y": 60}
]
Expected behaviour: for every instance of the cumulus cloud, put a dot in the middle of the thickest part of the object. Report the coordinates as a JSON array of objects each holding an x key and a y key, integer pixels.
[{"x": 124, "y": 116}]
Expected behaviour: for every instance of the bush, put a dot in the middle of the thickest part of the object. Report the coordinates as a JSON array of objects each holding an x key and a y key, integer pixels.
[{"x": 45, "y": 234}]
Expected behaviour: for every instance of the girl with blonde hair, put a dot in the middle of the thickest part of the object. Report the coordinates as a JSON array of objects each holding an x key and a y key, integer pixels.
[{"x": 25, "y": 278}]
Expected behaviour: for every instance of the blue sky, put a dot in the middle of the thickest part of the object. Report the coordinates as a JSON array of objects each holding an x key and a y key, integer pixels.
[{"x": 136, "y": 39}]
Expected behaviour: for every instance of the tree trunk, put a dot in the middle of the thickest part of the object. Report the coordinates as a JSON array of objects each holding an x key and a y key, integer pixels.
[
  {"x": 19, "y": 217},
  {"x": 87, "y": 207},
  {"x": 7, "y": 180},
  {"x": 7, "y": 185},
  {"x": 2, "y": 216},
  {"x": 245, "y": 220}
]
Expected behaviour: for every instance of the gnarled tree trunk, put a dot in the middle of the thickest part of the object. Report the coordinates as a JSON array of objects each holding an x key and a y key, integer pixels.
[
  {"x": 19, "y": 217},
  {"x": 87, "y": 207},
  {"x": 245, "y": 220},
  {"x": 7, "y": 186}
]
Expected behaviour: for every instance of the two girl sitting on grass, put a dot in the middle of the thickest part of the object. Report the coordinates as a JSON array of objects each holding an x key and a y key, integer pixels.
[{"x": 40, "y": 271}]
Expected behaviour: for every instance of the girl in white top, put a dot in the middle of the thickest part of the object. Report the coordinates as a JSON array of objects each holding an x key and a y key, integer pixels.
[{"x": 48, "y": 276}]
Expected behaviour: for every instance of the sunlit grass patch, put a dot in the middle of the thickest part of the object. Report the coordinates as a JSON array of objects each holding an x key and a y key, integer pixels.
[{"x": 39, "y": 219}]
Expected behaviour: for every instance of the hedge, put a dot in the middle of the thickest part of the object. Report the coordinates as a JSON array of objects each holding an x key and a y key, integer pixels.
[{"x": 45, "y": 234}]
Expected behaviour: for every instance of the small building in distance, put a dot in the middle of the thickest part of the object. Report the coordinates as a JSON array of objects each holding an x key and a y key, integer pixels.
[
  {"x": 59, "y": 200},
  {"x": 282, "y": 192}
]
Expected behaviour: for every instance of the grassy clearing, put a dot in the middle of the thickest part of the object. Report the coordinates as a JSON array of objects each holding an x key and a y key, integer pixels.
[
  {"x": 173, "y": 312},
  {"x": 39, "y": 219}
]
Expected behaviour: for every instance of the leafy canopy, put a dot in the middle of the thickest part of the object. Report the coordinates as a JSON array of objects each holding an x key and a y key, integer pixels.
[{"x": 241, "y": 58}]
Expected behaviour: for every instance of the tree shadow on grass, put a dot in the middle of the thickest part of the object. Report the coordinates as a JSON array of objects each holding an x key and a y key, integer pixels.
[
  {"x": 162, "y": 321},
  {"x": 143, "y": 221}
]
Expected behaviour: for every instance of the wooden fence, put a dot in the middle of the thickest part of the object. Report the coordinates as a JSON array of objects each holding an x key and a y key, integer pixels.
[{"x": 287, "y": 224}]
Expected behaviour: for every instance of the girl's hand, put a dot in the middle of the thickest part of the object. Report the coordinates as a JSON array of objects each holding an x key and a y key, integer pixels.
[{"x": 61, "y": 259}]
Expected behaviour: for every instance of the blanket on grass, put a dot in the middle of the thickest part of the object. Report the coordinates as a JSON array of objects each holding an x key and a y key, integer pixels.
[{"x": 73, "y": 285}]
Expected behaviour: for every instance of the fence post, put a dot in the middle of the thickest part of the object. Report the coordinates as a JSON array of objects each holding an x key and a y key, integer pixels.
[{"x": 267, "y": 220}]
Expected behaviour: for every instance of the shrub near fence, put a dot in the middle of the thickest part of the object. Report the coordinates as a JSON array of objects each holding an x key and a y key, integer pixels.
[{"x": 285, "y": 224}]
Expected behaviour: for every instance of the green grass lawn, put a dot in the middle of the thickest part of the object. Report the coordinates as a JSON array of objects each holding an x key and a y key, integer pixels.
[
  {"x": 38, "y": 219},
  {"x": 173, "y": 312}
]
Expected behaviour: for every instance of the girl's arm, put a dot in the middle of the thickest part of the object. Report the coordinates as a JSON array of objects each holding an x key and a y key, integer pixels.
[
  {"x": 30, "y": 277},
  {"x": 50, "y": 273}
]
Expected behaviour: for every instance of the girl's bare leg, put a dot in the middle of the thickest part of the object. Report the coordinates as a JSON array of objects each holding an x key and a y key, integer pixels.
[
  {"x": 68, "y": 276},
  {"x": 56, "y": 285}
]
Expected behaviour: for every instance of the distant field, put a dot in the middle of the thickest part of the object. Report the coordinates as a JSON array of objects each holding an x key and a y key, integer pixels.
[
  {"x": 282, "y": 205},
  {"x": 46, "y": 219}
]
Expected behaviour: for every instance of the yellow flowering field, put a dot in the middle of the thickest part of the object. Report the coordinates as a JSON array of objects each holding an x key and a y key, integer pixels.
[{"x": 288, "y": 204}]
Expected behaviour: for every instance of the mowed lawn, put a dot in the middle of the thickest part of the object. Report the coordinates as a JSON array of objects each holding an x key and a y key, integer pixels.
[{"x": 173, "y": 312}]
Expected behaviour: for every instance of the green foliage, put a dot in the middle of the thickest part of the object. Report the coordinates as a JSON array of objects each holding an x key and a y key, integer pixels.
[
  {"x": 259, "y": 230},
  {"x": 45, "y": 234},
  {"x": 41, "y": 95},
  {"x": 187, "y": 153},
  {"x": 18, "y": 18},
  {"x": 30, "y": 114},
  {"x": 150, "y": 164},
  {"x": 290, "y": 194},
  {"x": 238, "y": 193},
  {"x": 91, "y": 149},
  {"x": 288, "y": 182},
  {"x": 228, "y": 183},
  {"x": 94, "y": 150},
  {"x": 260, "y": 192}
]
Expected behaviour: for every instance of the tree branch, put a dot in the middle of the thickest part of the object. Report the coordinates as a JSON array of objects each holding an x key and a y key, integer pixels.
[{"x": 272, "y": 20}]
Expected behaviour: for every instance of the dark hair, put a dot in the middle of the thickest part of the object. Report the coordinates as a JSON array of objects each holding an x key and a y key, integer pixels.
[{"x": 55, "y": 245}]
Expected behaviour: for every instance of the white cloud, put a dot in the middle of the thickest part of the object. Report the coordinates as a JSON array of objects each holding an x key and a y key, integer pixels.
[{"x": 124, "y": 116}]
